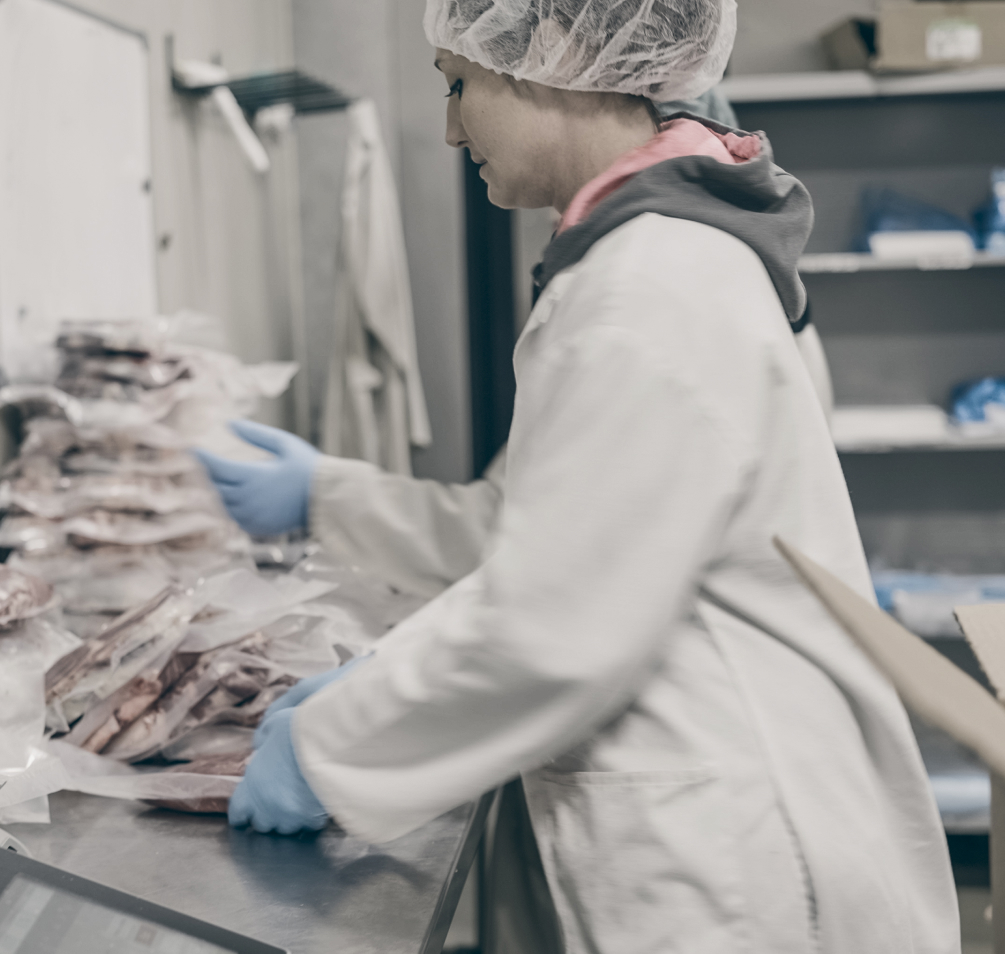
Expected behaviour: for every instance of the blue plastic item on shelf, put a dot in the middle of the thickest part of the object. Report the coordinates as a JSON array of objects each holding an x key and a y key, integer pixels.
[
  {"x": 888, "y": 582},
  {"x": 886, "y": 210},
  {"x": 990, "y": 219},
  {"x": 970, "y": 400}
]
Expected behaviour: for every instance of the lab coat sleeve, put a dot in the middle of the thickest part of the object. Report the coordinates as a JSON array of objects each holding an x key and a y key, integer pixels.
[
  {"x": 419, "y": 535},
  {"x": 620, "y": 480}
]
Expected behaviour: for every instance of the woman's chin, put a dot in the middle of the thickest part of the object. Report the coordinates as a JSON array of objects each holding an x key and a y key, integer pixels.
[{"x": 499, "y": 195}]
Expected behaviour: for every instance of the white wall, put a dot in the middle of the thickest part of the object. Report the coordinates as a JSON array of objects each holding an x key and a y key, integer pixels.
[
  {"x": 76, "y": 229},
  {"x": 222, "y": 232},
  {"x": 377, "y": 49}
]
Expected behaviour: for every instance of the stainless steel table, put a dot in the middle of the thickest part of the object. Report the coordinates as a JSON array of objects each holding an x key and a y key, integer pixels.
[{"x": 310, "y": 893}]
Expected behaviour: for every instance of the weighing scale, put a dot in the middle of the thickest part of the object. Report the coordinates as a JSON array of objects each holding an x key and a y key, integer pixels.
[{"x": 44, "y": 910}]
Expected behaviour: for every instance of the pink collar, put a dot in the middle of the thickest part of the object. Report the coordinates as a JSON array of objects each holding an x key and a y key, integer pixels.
[{"x": 678, "y": 138}]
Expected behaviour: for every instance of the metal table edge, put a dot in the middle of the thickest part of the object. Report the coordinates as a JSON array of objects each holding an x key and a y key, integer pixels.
[{"x": 450, "y": 894}]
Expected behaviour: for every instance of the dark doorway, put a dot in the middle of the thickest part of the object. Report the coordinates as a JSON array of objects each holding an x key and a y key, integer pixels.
[{"x": 491, "y": 318}]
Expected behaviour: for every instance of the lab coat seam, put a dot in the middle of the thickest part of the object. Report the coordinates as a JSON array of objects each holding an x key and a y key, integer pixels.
[{"x": 724, "y": 606}]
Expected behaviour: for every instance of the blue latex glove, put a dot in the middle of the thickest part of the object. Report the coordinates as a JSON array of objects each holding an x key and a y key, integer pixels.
[
  {"x": 274, "y": 795},
  {"x": 265, "y": 497},
  {"x": 301, "y": 691}
]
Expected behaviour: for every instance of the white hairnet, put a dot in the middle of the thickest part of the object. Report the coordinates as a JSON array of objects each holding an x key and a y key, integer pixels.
[{"x": 661, "y": 49}]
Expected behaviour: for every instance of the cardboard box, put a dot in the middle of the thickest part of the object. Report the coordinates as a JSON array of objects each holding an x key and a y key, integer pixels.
[
  {"x": 934, "y": 688},
  {"x": 917, "y": 37}
]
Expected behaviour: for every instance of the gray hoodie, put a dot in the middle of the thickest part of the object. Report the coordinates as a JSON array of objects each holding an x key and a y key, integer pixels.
[{"x": 756, "y": 201}]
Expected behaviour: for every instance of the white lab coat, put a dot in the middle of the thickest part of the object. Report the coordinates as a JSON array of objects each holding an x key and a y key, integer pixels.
[
  {"x": 374, "y": 408},
  {"x": 710, "y": 764}
]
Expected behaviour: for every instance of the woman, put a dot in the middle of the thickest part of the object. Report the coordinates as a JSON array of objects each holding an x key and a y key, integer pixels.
[{"x": 708, "y": 764}]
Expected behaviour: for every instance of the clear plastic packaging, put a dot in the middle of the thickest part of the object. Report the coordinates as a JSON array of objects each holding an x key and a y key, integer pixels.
[
  {"x": 218, "y": 656},
  {"x": 82, "y": 771},
  {"x": 368, "y": 599},
  {"x": 218, "y": 766},
  {"x": 232, "y": 605},
  {"x": 122, "y": 529},
  {"x": 22, "y": 597},
  {"x": 32, "y": 535},
  {"x": 42, "y": 400},
  {"x": 54, "y": 438},
  {"x": 23, "y": 778},
  {"x": 101, "y": 666},
  {"x": 210, "y": 740},
  {"x": 82, "y": 371},
  {"x": 232, "y": 684},
  {"x": 102, "y": 580},
  {"x": 140, "y": 337},
  {"x": 73, "y": 496},
  {"x": 174, "y": 464}
]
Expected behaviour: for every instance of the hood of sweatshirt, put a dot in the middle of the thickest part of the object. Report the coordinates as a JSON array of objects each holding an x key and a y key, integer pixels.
[{"x": 752, "y": 199}]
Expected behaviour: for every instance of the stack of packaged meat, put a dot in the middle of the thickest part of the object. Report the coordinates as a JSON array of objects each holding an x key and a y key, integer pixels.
[
  {"x": 164, "y": 644},
  {"x": 104, "y": 500},
  {"x": 188, "y": 675}
]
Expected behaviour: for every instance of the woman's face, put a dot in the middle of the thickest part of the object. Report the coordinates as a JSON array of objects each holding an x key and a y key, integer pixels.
[{"x": 506, "y": 128}]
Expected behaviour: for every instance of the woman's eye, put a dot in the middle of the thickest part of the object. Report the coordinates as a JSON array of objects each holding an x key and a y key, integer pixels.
[{"x": 456, "y": 89}]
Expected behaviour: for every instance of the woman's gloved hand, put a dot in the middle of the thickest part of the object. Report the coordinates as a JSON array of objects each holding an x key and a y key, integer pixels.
[
  {"x": 265, "y": 497},
  {"x": 302, "y": 690},
  {"x": 274, "y": 795}
]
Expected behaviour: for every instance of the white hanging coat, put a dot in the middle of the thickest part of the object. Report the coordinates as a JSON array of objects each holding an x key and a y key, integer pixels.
[
  {"x": 374, "y": 404},
  {"x": 711, "y": 766}
]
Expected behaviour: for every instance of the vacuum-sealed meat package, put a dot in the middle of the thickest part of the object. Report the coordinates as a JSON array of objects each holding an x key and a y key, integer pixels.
[
  {"x": 139, "y": 337},
  {"x": 222, "y": 766},
  {"x": 101, "y": 666},
  {"x": 123, "y": 529}
]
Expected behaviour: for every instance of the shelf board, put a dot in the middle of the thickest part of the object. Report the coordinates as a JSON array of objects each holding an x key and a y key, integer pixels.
[
  {"x": 882, "y": 429},
  {"x": 857, "y": 84},
  {"x": 949, "y": 443},
  {"x": 958, "y": 444},
  {"x": 833, "y": 263}
]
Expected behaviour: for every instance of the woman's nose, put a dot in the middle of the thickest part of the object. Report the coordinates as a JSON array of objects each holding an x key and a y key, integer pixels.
[{"x": 456, "y": 136}]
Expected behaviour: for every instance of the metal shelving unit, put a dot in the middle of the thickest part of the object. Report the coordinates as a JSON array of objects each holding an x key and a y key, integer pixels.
[
  {"x": 858, "y": 84},
  {"x": 901, "y": 331},
  {"x": 838, "y": 263}
]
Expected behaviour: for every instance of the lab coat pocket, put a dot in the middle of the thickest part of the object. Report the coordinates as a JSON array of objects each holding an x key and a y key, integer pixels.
[{"x": 639, "y": 861}]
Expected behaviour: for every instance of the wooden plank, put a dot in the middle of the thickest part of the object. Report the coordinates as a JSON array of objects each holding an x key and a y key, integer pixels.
[{"x": 928, "y": 683}]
